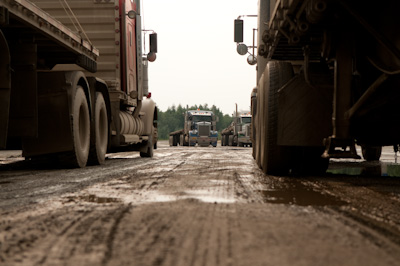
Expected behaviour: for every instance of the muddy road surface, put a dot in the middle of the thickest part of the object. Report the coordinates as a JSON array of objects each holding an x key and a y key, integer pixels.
[{"x": 194, "y": 206}]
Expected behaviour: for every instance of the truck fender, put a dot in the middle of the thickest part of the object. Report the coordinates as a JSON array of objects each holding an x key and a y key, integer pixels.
[
  {"x": 55, "y": 105},
  {"x": 99, "y": 85},
  {"x": 74, "y": 78},
  {"x": 149, "y": 108},
  {"x": 5, "y": 89}
]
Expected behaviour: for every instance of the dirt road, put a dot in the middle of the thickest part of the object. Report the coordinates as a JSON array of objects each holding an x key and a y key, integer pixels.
[{"x": 193, "y": 206}]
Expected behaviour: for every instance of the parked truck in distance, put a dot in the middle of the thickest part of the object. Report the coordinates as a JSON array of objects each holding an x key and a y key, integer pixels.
[
  {"x": 73, "y": 80},
  {"x": 328, "y": 79},
  {"x": 200, "y": 127},
  {"x": 238, "y": 132}
]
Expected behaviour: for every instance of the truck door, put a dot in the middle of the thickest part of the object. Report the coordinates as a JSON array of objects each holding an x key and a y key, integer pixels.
[{"x": 130, "y": 47}]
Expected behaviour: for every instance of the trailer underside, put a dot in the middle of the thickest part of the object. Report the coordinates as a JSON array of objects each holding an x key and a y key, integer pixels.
[{"x": 345, "y": 56}]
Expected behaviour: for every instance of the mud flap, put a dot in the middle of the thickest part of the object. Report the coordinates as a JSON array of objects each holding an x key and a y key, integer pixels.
[
  {"x": 304, "y": 114},
  {"x": 55, "y": 110},
  {"x": 23, "y": 121},
  {"x": 5, "y": 89}
]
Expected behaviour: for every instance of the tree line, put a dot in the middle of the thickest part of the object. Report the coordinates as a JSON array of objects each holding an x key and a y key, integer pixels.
[{"x": 173, "y": 119}]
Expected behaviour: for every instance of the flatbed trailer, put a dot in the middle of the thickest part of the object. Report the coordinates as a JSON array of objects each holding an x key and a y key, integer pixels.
[
  {"x": 26, "y": 17},
  {"x": 61, "y": 97}
]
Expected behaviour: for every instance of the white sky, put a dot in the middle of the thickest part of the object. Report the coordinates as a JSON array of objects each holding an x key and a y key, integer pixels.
[{"x": 197, "y": 62}]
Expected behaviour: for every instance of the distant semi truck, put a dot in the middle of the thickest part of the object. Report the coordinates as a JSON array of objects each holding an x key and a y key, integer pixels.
[
  {"x": 238, "y": 132},
  {"x": 200, "y": 128}
]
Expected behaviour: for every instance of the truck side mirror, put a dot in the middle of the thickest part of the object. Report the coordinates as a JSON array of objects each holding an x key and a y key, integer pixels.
[
  {"x": 238, "y": 30},
  {"x": 153, "y": 42}
]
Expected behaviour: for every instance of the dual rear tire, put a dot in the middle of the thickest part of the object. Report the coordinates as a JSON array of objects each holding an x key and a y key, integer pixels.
[
  {"x": 148, "y": 153},
  {"x": 371, "y": 153},
  {"x": 90, "y": 139},
  {"x": 80, "y": 124},
  {"x": 273, "y": 158},
  {"x": 100, "y": 132},
  {"x": 225, "y": 140}
]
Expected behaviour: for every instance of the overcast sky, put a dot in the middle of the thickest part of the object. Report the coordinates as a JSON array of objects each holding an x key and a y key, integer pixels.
[{"x": 197, "y": 62}]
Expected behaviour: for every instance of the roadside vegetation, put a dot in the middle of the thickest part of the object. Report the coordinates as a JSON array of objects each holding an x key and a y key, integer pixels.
[{"x": 173, "y": 119}]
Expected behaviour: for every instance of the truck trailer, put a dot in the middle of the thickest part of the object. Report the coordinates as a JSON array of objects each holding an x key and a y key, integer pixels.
[
  {"x": 73, "y": 80},
  {"x": 200, "y": 127},
  {"x": 328, "y": 79},
  {"x": 238, "y": 133}
]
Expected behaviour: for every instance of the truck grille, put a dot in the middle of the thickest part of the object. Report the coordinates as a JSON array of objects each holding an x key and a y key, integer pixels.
[
  {"x": 204, "y": 130},
  {"x": 247, "y": 127}
]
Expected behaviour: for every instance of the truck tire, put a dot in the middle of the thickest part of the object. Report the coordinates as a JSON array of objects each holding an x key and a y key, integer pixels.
[
  {"x": 172, "y": 140},
  {"x": 150, "y": 146},
  {"x": 273, "y": 159},
  {"x": 371, "y": 153},
  {"x": 230, "y": 140},
  {"x": 100, "y": 131},
  {"x": 78, "y": 157},
  {"x": 257, "y": 119},
  {"x": 155, "y": 136},
  {"x": 226, "y": 140},
  {"x": 235, "y": 140}
]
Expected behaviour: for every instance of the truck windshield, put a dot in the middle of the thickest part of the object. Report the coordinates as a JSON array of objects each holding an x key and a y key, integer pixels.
[
  {"x": 246, "y": 120},
  {"x": 201, "y": 118}
]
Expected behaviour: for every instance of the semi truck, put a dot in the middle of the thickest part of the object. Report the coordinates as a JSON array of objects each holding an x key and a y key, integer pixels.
[
  {"x": 239, "y": 131},
  {"x": 328, "y": 79},
  {"x": 73, "y": 80},
  {"x": 200, "y": 127}
]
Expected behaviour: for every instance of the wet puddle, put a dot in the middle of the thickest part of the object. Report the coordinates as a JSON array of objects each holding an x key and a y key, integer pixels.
[
  {"x": 364, "y": 168},
  {"x": 94, "y": 199},
  {"x": 299, "y": 195},
  {"x": 208, "y": 196}
]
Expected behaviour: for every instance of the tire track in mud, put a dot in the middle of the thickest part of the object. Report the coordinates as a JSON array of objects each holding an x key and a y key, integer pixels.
[
  {"x": 230, "y": 173},
  {"x": 54, "y": 243},
  {"x": 80, "y": 234},
  {"x": 43, "y": 232},
  {"x": 214, "y": 214},
  {"x": 362, "y": 210},
  {"x": 365, "y": 208},
  {"x": 381, "y": 235},
  {"x": 37, "y": 184},
  {"x": 181, "y": 233},
  {"x": 164, "y": 176},
  {"x": 205, "y": 232},
  {"x": 111, "y": 236}
]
